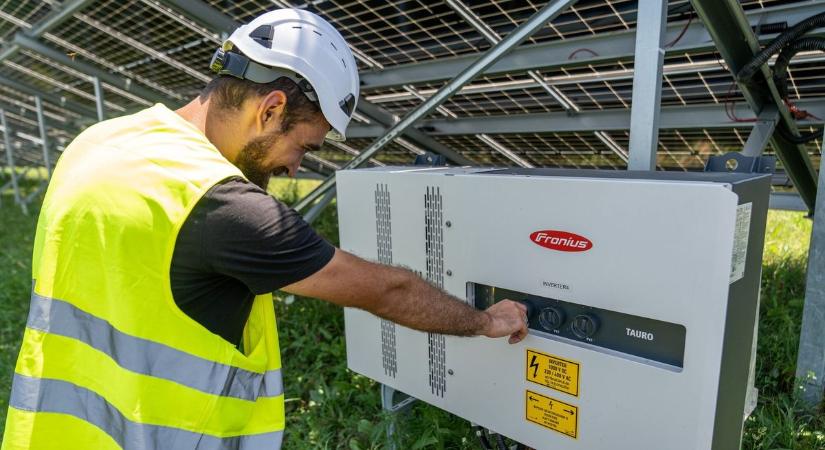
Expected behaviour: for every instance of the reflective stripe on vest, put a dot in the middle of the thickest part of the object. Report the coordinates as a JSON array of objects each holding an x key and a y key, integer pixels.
[
  {"x": 151, "y": 358},
  {"x": 108, "y": 360},
  {"x": 57, "y": 396}
]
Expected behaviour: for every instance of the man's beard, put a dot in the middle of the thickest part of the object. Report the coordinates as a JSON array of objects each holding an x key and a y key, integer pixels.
[{"x": 250, "y": 159}]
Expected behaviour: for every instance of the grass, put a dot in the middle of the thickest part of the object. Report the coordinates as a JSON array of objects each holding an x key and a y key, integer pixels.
[
  {"x": 329, "y": 407},
  {"x": 780, "y": 421},
  {"x": 16, "y": 240}
]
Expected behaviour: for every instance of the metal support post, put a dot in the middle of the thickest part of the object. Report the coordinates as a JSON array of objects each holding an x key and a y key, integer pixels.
[
  {"x": 762, "y": 131},
  {"x": 647, "y": 84},
  {"x": 316, "y": 209},
  {"x": 29, "y": 198},
  {"x": 101, "y": 114},
  {"x": 389, "y": 405},
  {"x": 10, "y": 161},
  {"x": 810, "y": 363},
  {"x": 538, "y": 20},
  {"x": 41, "y": 125}
]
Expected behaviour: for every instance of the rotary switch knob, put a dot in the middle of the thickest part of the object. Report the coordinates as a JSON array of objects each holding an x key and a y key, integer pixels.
[
  {"x": 551, "y": 318},
  {"x": 584, "y": 326}
]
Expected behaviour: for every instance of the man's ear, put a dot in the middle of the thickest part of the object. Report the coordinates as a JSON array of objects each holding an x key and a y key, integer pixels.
[{"x": 271, "y": 109}]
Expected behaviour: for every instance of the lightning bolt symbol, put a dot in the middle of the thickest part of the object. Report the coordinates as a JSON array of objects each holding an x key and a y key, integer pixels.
[{"x": 535, "y": 366}]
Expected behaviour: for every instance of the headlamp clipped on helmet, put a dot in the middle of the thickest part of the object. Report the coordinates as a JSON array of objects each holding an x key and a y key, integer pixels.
[
  {"x": 224, "y": 64},
  {"x": 239, "y": 66}
]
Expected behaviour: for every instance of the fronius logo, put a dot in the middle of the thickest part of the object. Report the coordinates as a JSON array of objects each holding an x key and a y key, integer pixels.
[{"x": 561, "y": 240}]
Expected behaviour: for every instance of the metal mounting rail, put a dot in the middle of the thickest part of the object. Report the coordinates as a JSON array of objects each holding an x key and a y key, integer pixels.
[{"x": 538, "y": 20}]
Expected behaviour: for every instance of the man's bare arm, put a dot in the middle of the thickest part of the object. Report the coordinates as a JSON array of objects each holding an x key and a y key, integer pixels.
[{"x": 401, "y": 296}]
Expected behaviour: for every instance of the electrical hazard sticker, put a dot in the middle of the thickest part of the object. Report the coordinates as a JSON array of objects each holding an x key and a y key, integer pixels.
[
  {"x": 553, "y": 372},
  {"x": 553, "y": 414}
]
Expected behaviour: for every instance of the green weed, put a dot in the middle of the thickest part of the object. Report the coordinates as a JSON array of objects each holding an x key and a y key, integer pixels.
[
  {"x": 780, "y": 421},
  {"x": 16, "y": 240}
]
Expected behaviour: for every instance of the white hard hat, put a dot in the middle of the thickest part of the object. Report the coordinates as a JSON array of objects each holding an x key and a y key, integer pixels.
[{"x": 303, "y": 47}]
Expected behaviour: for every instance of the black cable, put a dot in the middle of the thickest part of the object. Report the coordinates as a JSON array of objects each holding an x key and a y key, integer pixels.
[
  {"x": 780, "y": 76},
  {"x": 802, "y": 138},
  {"x": 787, "y": 45},
  {"x": 500, "y": 441},
  {"x": 749, "y": 70},
  {"x": 482, "y": 438},
  {"x": 681, "y": 34},
  {"x": 780, "y": 69},
  {"x": 770, "y": 28}
]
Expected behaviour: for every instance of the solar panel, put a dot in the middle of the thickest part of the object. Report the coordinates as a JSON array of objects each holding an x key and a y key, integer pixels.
[{"x": 157, "y": 46}]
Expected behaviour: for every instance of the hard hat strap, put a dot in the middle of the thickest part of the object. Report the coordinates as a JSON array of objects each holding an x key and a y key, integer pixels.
[{"x": 239, "y": 66}]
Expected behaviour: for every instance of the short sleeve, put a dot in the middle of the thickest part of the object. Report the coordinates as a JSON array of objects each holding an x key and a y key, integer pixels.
[{"x": 252, "y": 237}]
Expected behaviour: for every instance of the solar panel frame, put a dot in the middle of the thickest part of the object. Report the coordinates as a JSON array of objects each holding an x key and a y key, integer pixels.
[{"x": 157, "y": 46}]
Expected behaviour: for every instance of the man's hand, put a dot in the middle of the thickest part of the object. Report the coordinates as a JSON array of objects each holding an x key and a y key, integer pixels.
[{"x": 507, "y": 318}]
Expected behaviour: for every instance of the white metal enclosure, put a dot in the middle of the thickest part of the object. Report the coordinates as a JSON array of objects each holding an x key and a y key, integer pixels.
[{"x": 646, "y": 286}]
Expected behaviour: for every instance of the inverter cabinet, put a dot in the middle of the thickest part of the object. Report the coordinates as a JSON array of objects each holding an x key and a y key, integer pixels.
[{"x": 645, "y": 287}]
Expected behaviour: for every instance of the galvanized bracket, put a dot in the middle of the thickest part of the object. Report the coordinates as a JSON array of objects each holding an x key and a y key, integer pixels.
[
  {"x": 738, "y": 162},
  {"x": 750, "y": 159},
  {"x": 430, "y": 159}
]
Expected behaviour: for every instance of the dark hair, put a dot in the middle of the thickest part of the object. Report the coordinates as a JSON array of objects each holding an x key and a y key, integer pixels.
[{"x": 228, "y": 93}]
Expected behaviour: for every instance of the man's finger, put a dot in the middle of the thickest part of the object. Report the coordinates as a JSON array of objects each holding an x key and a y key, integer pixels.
[{"x": 519, "y": 335}]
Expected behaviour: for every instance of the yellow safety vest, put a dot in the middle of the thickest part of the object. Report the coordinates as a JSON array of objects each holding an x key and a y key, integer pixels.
[{"x": 108, "y": 360}]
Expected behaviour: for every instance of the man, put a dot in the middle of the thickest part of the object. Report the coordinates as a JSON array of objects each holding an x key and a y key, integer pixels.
[{"x": 157, "y": 248}]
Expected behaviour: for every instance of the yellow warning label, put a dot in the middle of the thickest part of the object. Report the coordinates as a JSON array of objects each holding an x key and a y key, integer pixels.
[
  {"x": 553, "y": 414},
  {"x": 553, "y": 372}
]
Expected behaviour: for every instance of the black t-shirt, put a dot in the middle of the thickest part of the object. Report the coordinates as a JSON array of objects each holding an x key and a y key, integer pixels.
[{"x": 239, "y": 242}]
